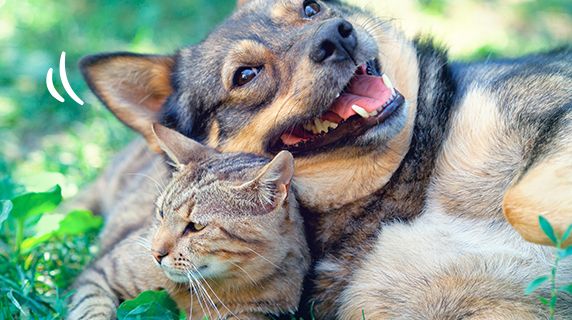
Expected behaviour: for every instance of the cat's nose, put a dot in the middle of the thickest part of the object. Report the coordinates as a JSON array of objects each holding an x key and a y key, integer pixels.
[
  {"x": 160, "y": 254},
  {"x": 335, "y": 41}
]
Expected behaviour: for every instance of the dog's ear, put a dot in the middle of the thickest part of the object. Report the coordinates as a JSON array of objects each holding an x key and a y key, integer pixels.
[
  {"x": 134, "y": 87},
  {"x": 182, "y": 150}
]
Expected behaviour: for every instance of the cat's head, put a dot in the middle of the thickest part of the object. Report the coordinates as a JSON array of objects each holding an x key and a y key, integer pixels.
[{"x": 224, "y": 216}]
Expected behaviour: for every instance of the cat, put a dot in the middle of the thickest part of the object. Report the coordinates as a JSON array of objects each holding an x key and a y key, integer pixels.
[{"x": 227, "y": 240}]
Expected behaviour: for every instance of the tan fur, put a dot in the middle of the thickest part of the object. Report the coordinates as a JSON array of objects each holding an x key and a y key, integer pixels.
[
  {"x": 477, "y": 152},
  {"x": 135, "y": 95},
  {"x": 410, "y": 275},
  {"x": 544, "y": 190}
]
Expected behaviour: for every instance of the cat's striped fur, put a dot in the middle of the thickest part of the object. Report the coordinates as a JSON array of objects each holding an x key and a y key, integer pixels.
[{"x": 226, "y": 235}]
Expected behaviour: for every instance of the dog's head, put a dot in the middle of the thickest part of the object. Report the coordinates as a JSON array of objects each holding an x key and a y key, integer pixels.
[{"x": 330, "y": 83}]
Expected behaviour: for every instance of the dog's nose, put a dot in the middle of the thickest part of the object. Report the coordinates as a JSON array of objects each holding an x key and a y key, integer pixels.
[
  {"x": 335, "y": 41},
  {"x": 160, "y": 254}
]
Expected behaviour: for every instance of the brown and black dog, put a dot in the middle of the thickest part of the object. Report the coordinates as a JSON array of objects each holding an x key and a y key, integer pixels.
[{"x": 403, "y": 158}]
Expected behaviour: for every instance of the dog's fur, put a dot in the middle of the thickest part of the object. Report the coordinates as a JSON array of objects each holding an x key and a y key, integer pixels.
[{"x": 407, "y": 220}]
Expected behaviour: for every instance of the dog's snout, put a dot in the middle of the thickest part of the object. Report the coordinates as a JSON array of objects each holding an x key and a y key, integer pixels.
[{"x": 335, "y": 41}]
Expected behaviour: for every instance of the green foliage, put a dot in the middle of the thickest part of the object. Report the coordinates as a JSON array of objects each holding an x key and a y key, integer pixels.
[
  {"x": 560, "y": 253},
  {"x": 547, "y": 229},
  {"x": 32, "y": 282},
  {"x": 149, "y": 305}
]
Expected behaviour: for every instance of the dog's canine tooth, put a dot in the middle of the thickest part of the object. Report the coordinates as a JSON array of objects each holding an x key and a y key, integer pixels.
[
  {"x": 388, "y": 83},
  {"x": 361, "y": 111}
]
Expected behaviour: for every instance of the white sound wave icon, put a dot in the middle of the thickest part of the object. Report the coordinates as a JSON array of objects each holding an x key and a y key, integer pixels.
[{"x": 65, "y": 82}]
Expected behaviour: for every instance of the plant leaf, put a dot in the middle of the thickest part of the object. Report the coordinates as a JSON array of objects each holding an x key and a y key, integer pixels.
[
  {"x": 535, "y": 284},
  {"x": 79, "y": 222},
  {"x": 566, "y": 233},
  {"x": 149, "y": 305},
  {"x": 565, "y": 252},
  {"x": 5, "y": 209},
  {"x": 543, "y": 300},
  {"x": 32, "y": 204},
  {"x": 75, "y": 223},
  {"x": 547, "y": 228},
  {"x": 567, "y": 288}
]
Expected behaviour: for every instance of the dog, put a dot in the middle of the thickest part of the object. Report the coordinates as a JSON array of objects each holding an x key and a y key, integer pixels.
[{"x": 404, "y": 159}]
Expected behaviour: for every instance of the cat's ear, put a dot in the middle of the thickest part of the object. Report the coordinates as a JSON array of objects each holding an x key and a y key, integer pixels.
[
  {"x": 179, "y": 148},
  {"x": 132, "y": 86},
  {"x": 274, "y": 179}
]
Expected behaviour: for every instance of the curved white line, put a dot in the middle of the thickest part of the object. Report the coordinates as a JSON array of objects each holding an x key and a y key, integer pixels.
[
  {"x": 65, "y": 81},
  {"x": 50, "y": 84}
]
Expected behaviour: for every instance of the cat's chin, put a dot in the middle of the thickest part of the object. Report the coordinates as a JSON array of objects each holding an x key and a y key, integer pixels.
[{"x": 175, "y": 276}]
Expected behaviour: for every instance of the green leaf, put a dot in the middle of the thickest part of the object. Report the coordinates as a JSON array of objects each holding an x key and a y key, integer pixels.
[
  {"x": 75, "y": 223},
  {"x": 567, "y": 288},
  {"x": 565, "y": 253},
  {"x": 79, "y": 222},
  {"x": 535, "y": 284},
  {"x": 149, "y": 305},
  {"x": 31, "y": 243},
  {"x": 33, "y": 204},
  {"x": 5, "y": 209},
  {"x": 543, "y": 300},
  {"x": 547, "y": 228},
  {"x": 566, "y": 233}
]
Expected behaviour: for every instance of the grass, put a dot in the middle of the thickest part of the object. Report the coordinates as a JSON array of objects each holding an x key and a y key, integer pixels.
[{"x": 45, "y": 143}]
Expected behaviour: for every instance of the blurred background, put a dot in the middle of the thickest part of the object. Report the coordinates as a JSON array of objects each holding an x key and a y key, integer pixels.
[{"x": 44, "y": 142}]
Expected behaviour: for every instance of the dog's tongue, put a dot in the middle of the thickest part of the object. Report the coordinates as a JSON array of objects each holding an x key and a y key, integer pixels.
[{"x": 368, "y": 92}]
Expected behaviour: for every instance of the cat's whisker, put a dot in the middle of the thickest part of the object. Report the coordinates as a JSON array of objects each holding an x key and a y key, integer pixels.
[
  {"x": 263, "y": 257},
  {"x": 244, "y": 271},
  {"x": 144, "y": 243},
  {"x": 195, "y": 291},
  {"x": 205, "y": 294},
  {"x": 206, "y": 282},
  {"x": 160, "y": 187}
]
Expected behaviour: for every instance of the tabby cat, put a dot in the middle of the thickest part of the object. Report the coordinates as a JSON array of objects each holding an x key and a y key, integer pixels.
[{"x": 226, "y": 241}]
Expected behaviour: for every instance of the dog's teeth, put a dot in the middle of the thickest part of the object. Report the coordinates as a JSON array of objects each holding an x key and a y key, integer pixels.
[
  {"x": 388, "y": 83},
  {"x": 330, "y": 125},
  {"x": 373, "y": 113},
  {"x": 319, "y": 125},
  {"x": 337, "y": 95},
  {"x": 361, "y": 111}
]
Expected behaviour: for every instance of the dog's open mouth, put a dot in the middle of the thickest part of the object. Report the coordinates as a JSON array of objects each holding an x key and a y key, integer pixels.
[{"x": 367, "y": 100}]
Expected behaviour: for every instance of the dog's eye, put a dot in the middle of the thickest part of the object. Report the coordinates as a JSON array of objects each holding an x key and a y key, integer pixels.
[
  {"x": 311, "y": 8},
  {"x": 244, "y": 75},
  {"x": 194, "y": 227}
]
